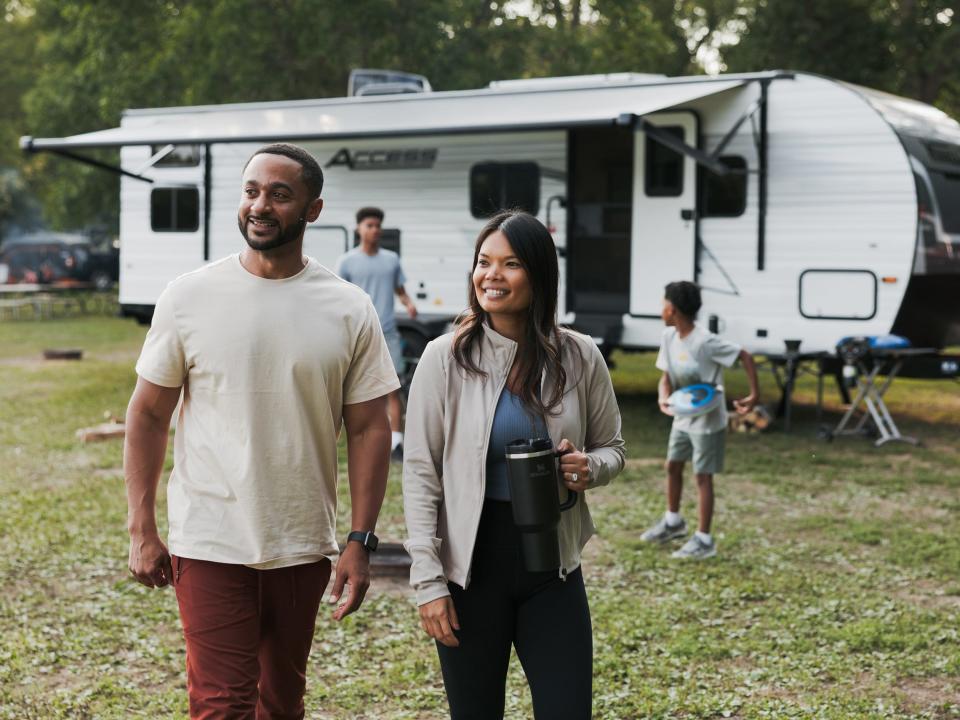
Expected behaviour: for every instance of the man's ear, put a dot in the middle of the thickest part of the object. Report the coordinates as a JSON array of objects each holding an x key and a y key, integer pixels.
[{"x": 313, "y": 210}]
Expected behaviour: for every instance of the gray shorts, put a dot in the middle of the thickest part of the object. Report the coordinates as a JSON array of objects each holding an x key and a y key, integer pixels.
[
  {"x": 705, "y": 449},
  {"x": 395, "y": 346}
]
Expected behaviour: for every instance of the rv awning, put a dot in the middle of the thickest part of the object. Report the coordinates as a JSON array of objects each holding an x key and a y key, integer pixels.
[{"x": 436, "y": 113}]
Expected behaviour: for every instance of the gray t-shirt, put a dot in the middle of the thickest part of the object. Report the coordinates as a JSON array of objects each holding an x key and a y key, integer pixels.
[
  {"x": 698, "y": 358},
  {"x": 378, "y": 275}
]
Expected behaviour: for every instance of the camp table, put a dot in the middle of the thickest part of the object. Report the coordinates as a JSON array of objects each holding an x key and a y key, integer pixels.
[{"x": 870, "y": 392}]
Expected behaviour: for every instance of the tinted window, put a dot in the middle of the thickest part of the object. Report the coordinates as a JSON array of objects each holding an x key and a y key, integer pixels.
[
  {"x": 725, "y": 195},
  {"x": 663, "y": 174},
  {"x": 180, "y": 156},
  {"x": 175, "y": 209},
  {"x": 498, "y": 186},
  {"x": 946, "y": 186}
]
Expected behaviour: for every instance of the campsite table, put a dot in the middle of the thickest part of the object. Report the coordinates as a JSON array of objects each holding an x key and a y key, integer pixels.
[
  {"x": 870, "y": 392},
  {"x": 786, "y": 368}
]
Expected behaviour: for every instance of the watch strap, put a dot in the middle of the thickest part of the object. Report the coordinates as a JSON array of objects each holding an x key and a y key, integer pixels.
[{"x": 365, "y": 538}]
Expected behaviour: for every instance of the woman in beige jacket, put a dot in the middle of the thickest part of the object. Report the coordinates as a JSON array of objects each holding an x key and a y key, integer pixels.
[{"x": 507, "y": 371}]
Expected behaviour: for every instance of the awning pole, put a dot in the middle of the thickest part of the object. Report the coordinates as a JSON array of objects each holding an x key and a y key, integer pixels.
[
  {"x": 762, "y": 185},
  {"x": 27, "y": 146}
]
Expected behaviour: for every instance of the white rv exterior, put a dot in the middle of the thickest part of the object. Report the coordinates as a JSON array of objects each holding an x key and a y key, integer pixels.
[{"x": 822, "y": 244}]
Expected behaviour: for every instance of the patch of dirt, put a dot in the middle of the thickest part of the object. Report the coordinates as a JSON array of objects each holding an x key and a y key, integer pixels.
[
  {"x": 391, "y": 584},
  {"x": 638, "y": 463},
  {"x": 929, "y": 695},
  {"x": 929, "y": 594},
  {"x": 114, "y": 472}
]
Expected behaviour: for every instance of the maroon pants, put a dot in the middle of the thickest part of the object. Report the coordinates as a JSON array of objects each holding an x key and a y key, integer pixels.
[{"x": 248, "y": 634}]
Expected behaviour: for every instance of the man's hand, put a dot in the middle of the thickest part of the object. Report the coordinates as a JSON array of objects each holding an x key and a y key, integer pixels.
[
  {"x": 353, "y": 571},
  {"x": 665, "y": 406},
  {"x": 439, "y": 619},
  {"x": 149, "y": 560},
  {"x": 746, "y": 404},
  {"x": 411, "y": 309}
]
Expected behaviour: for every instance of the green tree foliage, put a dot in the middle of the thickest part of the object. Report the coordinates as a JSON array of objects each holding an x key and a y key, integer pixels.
[
  {"x": 908, "y": 47},
  {"x": 71, "y": 66}
]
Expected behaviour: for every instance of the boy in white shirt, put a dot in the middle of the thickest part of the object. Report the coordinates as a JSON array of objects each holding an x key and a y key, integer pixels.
[{"x": 689, "y": 355}]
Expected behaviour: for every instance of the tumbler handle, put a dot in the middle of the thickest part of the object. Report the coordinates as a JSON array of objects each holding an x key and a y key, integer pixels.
[
  {"x": 571, "y": 494},
  {"x": 571, "y": 500}
]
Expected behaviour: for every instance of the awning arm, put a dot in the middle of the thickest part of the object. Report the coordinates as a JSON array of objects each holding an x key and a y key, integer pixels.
[
  {"x": 733, "y": 130},
  {"x": 668, "y": 140},
  {"x": 26, "y": 144}
]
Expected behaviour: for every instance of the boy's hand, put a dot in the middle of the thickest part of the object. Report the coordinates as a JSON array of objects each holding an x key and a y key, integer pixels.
[
  {"x": 665, "y": 406},
  {"x": 746, "y": 404}
]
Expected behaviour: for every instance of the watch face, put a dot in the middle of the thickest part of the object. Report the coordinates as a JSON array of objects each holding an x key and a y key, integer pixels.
[{"x": 367, "y": 539}]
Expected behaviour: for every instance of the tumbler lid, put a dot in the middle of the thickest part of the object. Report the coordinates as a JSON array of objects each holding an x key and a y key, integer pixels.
[{"x": 529, "y": 447}]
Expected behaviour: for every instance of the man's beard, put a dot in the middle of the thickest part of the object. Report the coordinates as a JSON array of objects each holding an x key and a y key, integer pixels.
[{"x": 284, "y": 234}]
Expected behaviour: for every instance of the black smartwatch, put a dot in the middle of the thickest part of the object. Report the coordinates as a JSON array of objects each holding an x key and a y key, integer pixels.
[{"x": 365, "y": 538}]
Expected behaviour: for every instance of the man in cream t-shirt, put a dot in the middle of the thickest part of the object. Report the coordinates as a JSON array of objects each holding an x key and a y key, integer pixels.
[{"x": 272, "y": 351}]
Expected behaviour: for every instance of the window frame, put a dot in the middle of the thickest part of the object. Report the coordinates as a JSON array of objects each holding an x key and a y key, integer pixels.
[
  {"x": 173, "y": 160},
  {"x": 174, "y": 191},
  {"x": 705, "y": 177},
  {"x": 503, "y": 168},
  {"x": 652, "y": 149}
]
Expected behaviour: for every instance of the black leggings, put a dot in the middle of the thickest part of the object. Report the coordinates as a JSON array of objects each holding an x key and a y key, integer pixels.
[{"x": 547, "y": 619}]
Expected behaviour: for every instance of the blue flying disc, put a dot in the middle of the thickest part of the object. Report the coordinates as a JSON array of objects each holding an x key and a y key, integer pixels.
[{"x": 694, "y": 400}]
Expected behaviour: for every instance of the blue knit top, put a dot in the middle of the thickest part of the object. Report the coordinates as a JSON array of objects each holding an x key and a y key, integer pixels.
[{"x": 511, "y": 421}]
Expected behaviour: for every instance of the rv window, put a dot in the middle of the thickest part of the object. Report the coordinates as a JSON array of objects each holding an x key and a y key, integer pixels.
[
  {"x": 175, "y": 209},
  {"x": 663, "y": 176},
  {"x": 496, "y": 186},
  {"x": 725, "y": 195},
  {"x": 946, "y": 186},
  {"x": 180, "y": 156}
]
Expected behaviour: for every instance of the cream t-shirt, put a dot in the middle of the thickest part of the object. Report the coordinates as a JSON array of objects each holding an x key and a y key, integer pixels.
[{"x": 266, "y": 368}]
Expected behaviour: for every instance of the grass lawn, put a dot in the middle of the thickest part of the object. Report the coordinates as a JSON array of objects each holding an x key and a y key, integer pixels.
[{"x": 836, "y": 592}]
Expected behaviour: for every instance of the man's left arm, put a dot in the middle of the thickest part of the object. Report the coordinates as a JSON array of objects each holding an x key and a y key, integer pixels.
[{"x": 368, "y": 463}]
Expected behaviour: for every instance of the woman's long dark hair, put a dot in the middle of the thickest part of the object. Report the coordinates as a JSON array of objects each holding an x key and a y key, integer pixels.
[{"x": 542, "y": 347}]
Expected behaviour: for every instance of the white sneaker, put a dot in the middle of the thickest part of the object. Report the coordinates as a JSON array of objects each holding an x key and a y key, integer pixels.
[
  {"x": 662, "y": 532},
  {"x": 696, "y": 549}
]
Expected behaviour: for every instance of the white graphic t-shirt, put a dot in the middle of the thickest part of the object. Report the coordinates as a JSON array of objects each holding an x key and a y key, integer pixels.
[{"x": 697, "y": 358}]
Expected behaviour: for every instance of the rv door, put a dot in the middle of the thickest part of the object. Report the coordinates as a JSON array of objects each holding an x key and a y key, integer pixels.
[{"x": 664, "y": 212}]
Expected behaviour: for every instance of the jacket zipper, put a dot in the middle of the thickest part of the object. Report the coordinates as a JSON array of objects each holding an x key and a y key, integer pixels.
[{"x": 483, "y": 461}]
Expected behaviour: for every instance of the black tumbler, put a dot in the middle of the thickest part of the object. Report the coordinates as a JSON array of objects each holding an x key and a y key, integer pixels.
[{"x": 532, "y": 471}]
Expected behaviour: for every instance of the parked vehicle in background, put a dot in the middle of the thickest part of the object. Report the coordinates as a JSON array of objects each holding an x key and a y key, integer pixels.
[{"x": 59, "y": 258}]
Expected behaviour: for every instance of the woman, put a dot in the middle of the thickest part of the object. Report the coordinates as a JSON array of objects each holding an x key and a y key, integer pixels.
[{"x": 507, "y": 372}]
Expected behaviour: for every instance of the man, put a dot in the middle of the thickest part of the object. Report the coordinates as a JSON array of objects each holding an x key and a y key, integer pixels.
[
  {"x": 271, "y": 352},
  {"x": 377, "y": 270}
]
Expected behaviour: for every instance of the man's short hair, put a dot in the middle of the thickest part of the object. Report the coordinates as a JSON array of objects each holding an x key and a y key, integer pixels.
[
  {"x": 310, "y": 169},
  {"x": 685, "y": 297},
  {"x": 369, "y": 212}
]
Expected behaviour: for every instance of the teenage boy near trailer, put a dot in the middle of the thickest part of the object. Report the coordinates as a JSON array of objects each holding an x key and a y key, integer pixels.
[
  {"x": 689, "y": 355},
  {"x": 377, "y": 271}
]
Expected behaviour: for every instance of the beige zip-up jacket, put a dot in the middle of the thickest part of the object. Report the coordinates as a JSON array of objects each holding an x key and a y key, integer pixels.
[{"x": 449, "y": 417}]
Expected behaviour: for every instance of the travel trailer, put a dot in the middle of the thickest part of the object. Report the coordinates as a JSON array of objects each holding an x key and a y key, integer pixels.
[{"x": 807, "y": 209}]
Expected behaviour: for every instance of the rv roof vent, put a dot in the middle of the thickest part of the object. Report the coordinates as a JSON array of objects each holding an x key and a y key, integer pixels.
[
  {"x": 385, "y": 82},
  {"x": 572, "y": 81}
]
